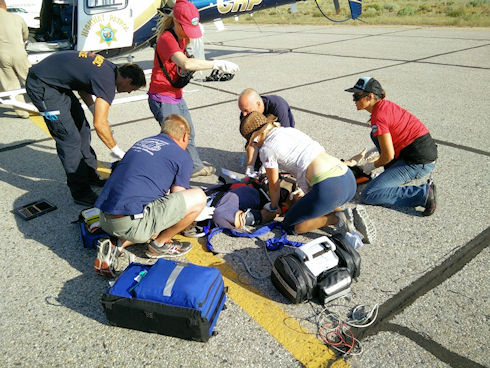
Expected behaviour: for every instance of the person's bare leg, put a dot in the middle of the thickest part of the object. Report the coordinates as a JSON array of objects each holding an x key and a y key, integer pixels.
[
  {"x": 195, "y": 200},
  {"x": 316, "y": 223}
]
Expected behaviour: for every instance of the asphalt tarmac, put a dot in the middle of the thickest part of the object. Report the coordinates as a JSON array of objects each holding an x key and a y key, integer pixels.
[{"x": 428, "y": 275}]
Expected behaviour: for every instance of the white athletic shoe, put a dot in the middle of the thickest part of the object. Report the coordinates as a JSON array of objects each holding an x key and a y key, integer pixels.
[{"x": 363, "y": 224}]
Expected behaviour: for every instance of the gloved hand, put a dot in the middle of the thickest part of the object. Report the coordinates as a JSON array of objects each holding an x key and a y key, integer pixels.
[
  {"x": 368, "y": 167},
  {"x": 250, "y": 172},
  {"x": 117, "y": 152},
  {"x": 225, "y": 66},
  {"x": 206, "y": 214}
]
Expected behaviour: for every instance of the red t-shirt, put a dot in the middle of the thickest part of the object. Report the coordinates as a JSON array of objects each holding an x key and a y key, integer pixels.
[
  {"x": 167, "y": 45},
  {"x": 388, "y": 117}
]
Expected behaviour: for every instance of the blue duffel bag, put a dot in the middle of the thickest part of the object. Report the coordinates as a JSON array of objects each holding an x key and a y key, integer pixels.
[{"x": 170, "y": 298}]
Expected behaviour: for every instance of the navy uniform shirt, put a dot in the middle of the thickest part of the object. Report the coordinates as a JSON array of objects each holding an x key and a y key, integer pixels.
[
  {"x": 278, "y": 106},
  {"x": 146, "y": 172},
  {"x": 79, "y": 71}
]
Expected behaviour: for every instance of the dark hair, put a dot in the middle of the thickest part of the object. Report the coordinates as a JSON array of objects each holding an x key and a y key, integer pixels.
[
  {"x": 133, "y": 72},
  {"x": 383, "y": 95}
]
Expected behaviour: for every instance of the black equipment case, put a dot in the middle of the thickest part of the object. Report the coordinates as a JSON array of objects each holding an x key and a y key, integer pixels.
[
  {"x": 170, "y": 298},
  {"x": 292, "y": 278}
]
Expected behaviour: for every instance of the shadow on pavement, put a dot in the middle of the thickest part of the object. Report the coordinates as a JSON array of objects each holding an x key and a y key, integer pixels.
[{"x": 39, "y": 174}]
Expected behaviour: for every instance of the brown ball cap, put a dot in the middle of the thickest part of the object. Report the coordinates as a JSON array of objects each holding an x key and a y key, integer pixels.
[{"x": 253, "y": 122}]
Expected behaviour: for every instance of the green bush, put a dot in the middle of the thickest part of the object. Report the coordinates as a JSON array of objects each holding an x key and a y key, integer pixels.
[
  {"x": 407, "y": 11},
  {"x": 391, "y": 7},
  {"x": 455, "y": 13},
  {"x": 424, "y": 8},
  {"x": 476, "y": 3},
  {"x": 369, "y": 12},
  {"x": 374, "y": 6}
]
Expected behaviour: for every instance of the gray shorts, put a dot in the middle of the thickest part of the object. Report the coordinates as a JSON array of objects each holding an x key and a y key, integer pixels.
[{"x": 159, "y": 215}]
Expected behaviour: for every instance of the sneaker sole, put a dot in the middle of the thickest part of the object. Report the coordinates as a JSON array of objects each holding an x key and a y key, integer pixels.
[
  {"x": 363, "y": 224},
  {"x": 150, "y": 254},
  {"x": 194, "y": 234}
]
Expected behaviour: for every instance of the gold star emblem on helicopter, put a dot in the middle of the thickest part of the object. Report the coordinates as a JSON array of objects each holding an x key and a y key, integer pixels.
[{"x": 107, "y": 34}]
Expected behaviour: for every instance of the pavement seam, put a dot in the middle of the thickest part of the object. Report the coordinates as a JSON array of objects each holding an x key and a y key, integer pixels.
[{"x": 429, "y": 281}]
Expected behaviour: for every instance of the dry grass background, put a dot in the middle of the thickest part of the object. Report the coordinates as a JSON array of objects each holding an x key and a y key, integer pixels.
[{"x": 459, "y": 13}]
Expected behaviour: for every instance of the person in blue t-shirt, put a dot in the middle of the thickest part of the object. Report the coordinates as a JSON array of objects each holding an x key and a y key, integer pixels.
[
  {"x": 50, "y": 85},
  {"x": 148, "y": 196},
  {"x": 250, "y": 101}
]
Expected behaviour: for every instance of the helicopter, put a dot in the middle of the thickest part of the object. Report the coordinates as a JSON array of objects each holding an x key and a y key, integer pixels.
[{"x": 116, "y": 27}]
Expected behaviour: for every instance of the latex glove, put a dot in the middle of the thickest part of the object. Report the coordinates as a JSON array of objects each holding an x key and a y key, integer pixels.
[
  {"x": 117, "y": 152},
  {"x": 226, "y": 66},
  {"x": 356, "y": 160},
  {"x": 250, "y": 172},
  {"x": 206, "y": 214},
  {"x": 268, "y": 207},
  {"x": 368, "y": 167}
]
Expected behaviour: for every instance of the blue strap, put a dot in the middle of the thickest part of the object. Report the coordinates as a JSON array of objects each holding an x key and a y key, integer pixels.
[{"x": 271, "y": 244}]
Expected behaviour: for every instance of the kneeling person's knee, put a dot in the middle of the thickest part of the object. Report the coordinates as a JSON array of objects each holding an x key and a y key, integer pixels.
[{"x": 195, "y": 199}]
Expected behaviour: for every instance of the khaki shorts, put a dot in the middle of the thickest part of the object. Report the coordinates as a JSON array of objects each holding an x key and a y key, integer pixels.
[{"x": 159, "y": 215}]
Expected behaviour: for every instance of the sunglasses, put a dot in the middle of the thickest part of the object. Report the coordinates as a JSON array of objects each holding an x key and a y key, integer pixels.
[{"x": 357, "y": 96}]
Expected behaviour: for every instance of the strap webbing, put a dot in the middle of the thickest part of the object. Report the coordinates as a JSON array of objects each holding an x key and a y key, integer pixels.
[
  {"x": 271, "y": 244},
  {"x": 169, "y": 285}
]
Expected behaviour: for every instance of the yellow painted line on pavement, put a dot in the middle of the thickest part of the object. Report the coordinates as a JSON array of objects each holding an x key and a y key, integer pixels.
[
  {"x": 39, "y": 121},
  {"x": 304, "y": 346}
]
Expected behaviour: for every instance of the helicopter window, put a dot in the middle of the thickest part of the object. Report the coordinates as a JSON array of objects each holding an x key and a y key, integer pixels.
[{"x": 93, "y": 6}]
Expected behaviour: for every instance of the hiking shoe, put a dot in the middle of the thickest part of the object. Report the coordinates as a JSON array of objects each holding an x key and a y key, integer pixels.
[
  {"x": 346, "y": 223},
  {"x": 86, "y": 198},
  {"x": 105, "y": 262},
  {"x": 430, "y": 203},
  {"x": 173, "y": 248},
  {"x": 205, "y": 171},
  {"x": 363, "y": 224}
]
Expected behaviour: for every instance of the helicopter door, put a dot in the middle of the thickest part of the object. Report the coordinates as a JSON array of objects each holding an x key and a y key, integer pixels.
[{"x": 104, "y": 24}]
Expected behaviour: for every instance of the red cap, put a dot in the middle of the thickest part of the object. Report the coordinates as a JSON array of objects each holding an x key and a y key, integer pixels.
[{"x": 187, "y": 15}]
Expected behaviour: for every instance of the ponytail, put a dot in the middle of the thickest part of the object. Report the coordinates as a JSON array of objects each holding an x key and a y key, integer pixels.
[{"x": 164, "y": 23}]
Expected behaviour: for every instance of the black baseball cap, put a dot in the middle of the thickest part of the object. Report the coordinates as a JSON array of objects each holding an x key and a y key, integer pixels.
[{"x": 367, "y": 84}]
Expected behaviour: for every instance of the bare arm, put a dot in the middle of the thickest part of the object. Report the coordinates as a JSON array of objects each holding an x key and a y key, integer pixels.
[
  {"x": 274, "y": 189},
  {"x": 87, "y": 98},
  {"x": 252, "y": 152},
  {"x": 387, "y": 150},
  {"x": 186, "y": 63},
  {"x": 101, "y": 124}
]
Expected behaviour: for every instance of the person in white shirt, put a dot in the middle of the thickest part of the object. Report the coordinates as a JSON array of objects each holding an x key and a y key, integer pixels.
[{"x": 325, "y": 182}]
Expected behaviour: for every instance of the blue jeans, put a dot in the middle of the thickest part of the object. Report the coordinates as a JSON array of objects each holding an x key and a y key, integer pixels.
[
  {"x": 161, "y": 111},
  {"x": 388, "y": 188}
]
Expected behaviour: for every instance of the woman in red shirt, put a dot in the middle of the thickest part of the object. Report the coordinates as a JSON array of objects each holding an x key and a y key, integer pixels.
[
  {"x": 406, "y": 150},
  {"x": 171, "y": 69}
]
